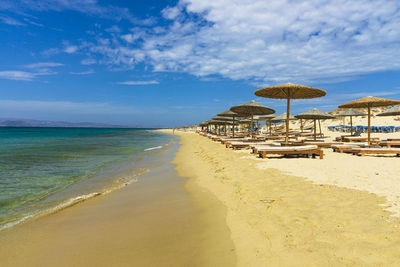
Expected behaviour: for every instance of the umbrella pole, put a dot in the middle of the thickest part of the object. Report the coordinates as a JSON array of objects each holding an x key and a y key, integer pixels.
[
  {"x": 287, "y": 120},
  {"x": 225, "y": 128},
  {"x": 233, "y": 126},
  {"x": 270, "y": 127},
  {"x": 351, "y": 125},
  {"x": 320, "y": 131},
  {"x": 301, "y": 125},
  {"x": 251, "y": 126},
  {"x": 369, "y": 125},
  {"x": 315, "y": 129}
]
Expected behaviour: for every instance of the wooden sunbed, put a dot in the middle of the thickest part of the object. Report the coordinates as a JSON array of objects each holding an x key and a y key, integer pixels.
[
  {"x": 237, "y": 145},
  {"x": 294, "y": 150},
  {"x": 363, "y": 151},
  {"x": 389, "y": 143},
  {"x": 277, "y": 137},
  {"x": 359, "y": 139},
  {"x": 311, "y": 134},
  {"x": 346, "y": 147},
  {"x": 319, "y": 144},
  {"x": 223, "y": 141},
  {"x": 256, "y": 147}
]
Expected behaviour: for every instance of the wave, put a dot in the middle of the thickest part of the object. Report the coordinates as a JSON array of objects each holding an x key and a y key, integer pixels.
[
  {"x": 152, "y": 148},
  {"x": 75, "y": 200}
]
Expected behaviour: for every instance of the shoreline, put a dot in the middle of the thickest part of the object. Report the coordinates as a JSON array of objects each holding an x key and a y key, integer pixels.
[
  {"x": 154, "y": 221},
  {"x": 277, "y": 219},
  {"x": 72, "y": 182}
]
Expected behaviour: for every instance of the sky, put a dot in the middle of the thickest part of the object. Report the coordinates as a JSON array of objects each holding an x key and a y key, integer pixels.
[{"x": 167, "y": 63}]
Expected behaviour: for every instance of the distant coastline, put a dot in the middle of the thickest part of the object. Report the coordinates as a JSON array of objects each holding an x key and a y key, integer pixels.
[{"x": 61, "y": 124}]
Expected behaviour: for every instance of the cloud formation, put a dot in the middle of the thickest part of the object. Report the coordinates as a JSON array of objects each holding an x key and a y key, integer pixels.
[
  {"x": 138, "y": 82},
  {"x": 40, "y": 65},
  {"x": 31, "y": 71},
  {"x": 89, "y": 7},
  {"x": 17, "y": 75},
  {"x": 265, "y": 41},
  {"x": 83, "y": 72}
]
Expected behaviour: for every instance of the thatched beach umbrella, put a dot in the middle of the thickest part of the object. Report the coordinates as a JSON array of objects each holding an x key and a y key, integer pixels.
[
  {"x": 283, "y": 117},
  {"x": 393, "y": 111},
  {"x": 350, "y": 113},
  {"x": 230, "y": 114},
  {"x": 315, "y": 114},
  {"x": 267, "y": 118},
  {"x": 289, "y": 91},
  {"x": 252, "y": 108},
  {"x": 369, "y": 102},
  {"x": 223, "y": 119}
]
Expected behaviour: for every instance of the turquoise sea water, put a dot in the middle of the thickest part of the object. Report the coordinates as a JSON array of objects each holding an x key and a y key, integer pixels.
[{"x": 42, "y": 169}]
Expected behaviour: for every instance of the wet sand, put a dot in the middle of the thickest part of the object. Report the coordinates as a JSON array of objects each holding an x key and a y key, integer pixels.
[
  {"x": 278, "y": 219},
  {"x": 153, "y": 222}
]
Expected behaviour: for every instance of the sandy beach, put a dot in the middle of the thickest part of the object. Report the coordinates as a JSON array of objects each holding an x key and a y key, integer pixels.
[
  {"x": 300, "y": 212},
  {"x": 153, "y": 222}
]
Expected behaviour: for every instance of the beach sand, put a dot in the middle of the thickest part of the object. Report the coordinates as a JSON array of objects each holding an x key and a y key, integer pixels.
[
  {"x": 153, "y": 222},
  {"x": 278, "y": 219}
]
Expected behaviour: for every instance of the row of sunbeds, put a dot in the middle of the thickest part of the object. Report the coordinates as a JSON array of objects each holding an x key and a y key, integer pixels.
[{"x": 262, "y": 146}]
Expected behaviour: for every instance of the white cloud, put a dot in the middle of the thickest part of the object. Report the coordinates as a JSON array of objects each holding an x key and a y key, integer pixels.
[
  {"x": 88, "y": 7},
  {"x": 34, "y": 70},
  {"x": 88, "y": 61},
  {"x": 11, "y": 21},
  {"x": 70, "y": 49},
  {"x": 268, "y": 41},
  {"x": 138, "y": 82},
  {"x": 43, "y": 65},
  {"x": 17, "y": 75},
  {"x": 83, "y": 72}
]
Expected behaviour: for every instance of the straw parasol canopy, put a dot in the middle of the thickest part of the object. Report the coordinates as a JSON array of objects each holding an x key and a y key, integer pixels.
[
  {"x": 228, "y": 113},
  {"x": 369, "y": 102},
  {"x": 283, "y": 117},
  {"x": 350, "y": 113},
  {"x": 289, "y": 91},
  {"x": 315, "y": 114},
  {"x": 219, "y": 118},
  {"x": 266, "y": 117},
  {"x": 252, "y": 108},
  {"x": 394, "y": 111},
  {"x": 244, "y": 121},
  {"x": 224, "y": 120},
  {"x": 231, "y": 114}
]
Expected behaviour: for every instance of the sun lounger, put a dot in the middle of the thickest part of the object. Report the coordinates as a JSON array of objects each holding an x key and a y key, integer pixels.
[
  {"x": 224, "y": 140},
  {"x": 359, "y": 139},
  {"x": 256, "y": 147},
  {"x": 346, "y": 147},
  {"x": 363, "y": 151},
  {"x": 316, "y": 143},
  {"x": 389, "y": 143},
  {"x": 272, "y": 137},
  {"x": 236, "y": 145},
  {"x": 293, "y": 150}
]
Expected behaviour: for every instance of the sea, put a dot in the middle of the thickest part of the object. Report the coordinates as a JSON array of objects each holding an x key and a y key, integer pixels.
[{"x": 43, "y": 170}]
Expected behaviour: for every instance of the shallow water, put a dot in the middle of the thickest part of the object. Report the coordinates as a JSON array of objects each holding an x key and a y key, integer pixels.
[{"x": 42, "y": 169}]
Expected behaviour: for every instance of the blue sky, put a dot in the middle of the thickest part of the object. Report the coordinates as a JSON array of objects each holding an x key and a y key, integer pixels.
[{"x": 166, "y": 63}]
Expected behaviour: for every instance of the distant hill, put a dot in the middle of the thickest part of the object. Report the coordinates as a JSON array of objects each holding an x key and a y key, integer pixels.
[{"x": 40, "y": 123}]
